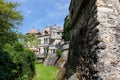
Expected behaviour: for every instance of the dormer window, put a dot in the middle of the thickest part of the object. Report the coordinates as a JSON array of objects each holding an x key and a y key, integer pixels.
[
  {"x": 46, "y": 32},
  {"x": 58, "y": 33},
  {"x": 39, "y": 33}
]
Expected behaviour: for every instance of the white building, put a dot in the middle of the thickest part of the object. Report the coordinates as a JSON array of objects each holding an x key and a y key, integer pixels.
[{"x": 49, "y": 40}]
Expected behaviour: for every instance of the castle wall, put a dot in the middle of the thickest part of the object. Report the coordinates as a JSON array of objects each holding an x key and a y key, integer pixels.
[{"x": 95, "y": 40}]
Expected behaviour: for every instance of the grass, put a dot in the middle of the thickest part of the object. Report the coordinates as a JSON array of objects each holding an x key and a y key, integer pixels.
[{"x": 45, "y": 72}]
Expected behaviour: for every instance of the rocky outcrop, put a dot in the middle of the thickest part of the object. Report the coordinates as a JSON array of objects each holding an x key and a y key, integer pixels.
[{"x": 94, "y": 52}]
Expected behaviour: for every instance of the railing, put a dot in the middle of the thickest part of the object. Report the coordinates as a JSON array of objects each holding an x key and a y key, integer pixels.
[{"x": 40, "y": 55}]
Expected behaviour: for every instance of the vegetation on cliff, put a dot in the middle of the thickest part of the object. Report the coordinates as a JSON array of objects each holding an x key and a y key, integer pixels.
[
  {"x": 58, "y": 52},
  {"x": 66, "y": 32}
]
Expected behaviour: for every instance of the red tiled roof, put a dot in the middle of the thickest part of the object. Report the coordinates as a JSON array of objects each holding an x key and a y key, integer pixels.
[{"x": 32, "y": 31}]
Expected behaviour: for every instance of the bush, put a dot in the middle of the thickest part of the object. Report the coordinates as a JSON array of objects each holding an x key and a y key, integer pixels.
[
  {"x": 58, "y": 52},
  {"x": 17, "y": 63},
  {"x": 30, "y": 58},
  {"x": 6, "y": 65}
]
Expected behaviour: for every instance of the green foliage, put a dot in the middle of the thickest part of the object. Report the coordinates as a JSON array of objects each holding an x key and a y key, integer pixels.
[
  {"x": 31, "y": 40},
  {"x": 9, "y": 19},
  {"x": 21, "y": 38},
  {"x": 17, "y": 63},
  {"x": 58, "y": 52},
  {"x": 5, "y": 66},
  {"x": 30, "y": 58},
  {"x": 18, "y": 47},
  {"x": 66, "y": 32}
]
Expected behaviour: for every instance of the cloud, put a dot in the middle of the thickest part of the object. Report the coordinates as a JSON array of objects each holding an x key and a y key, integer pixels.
[
  {"x": 28, "y": 11},
  {"x": 40, "y": 13}
]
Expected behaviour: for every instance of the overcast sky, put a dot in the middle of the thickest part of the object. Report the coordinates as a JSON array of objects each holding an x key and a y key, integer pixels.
[{"x": 42, "y": 13}]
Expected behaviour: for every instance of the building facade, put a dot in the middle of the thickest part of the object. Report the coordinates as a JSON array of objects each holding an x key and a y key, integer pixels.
[{"x": 49, "y": 40}]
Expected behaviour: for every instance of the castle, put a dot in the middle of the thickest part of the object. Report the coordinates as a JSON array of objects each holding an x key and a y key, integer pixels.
[{"x": 49, "y": 40}]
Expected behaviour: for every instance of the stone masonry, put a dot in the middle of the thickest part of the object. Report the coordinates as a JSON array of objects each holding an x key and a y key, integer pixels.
[
  {"x": 62, "y": 60},
  {"x": 109, "y": 35},
  {"x": 95, "y": 40}
]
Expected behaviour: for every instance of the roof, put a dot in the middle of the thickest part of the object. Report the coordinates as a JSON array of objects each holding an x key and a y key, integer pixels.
[
  {"x": 32, "y": 31},
  {"x": 46, "y": 31},
  {"x": 61, "y": 29}
]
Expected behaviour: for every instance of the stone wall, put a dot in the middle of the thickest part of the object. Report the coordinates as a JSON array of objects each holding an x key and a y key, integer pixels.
[
  {"x": 50, "y": 60},
  {"x": 109, "y": 35},
  {"x": 54, "y": 60},
  {"x": 95, "y": 40},
  {"x": 62, "y": 60}
]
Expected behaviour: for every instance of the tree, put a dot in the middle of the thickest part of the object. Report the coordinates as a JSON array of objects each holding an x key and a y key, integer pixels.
[
  {"x": 28, "y": 40},
  {"x": 17, "y": 62},
  {"x": 9, "y": 19},
  {"x": 21, "y": 38},
  {"x": 31, "y": 40}
]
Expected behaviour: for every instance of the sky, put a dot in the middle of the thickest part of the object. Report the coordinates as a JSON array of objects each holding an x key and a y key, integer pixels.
[{"x": 42, "y": 13}]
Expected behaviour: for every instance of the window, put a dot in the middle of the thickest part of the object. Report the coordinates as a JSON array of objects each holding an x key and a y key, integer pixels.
[
  {"x": 58, "y": 33},
  {"x": 48, "y": 40},
  {"x": 53, "y": 50},
  {"x": 44, "y": 40},
  {"x": 39, "y": 41},
  {"x": 39, "y": 50},
  {"x": 44, "y": 50},
  {"x": 46, "y": 32}
]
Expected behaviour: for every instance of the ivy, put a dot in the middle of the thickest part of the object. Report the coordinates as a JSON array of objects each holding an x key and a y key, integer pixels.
[{"x": 66, "y": 32}]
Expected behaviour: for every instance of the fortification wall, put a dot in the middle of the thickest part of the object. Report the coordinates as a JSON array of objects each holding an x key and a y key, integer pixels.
[{"x": 95, "y": 40}]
